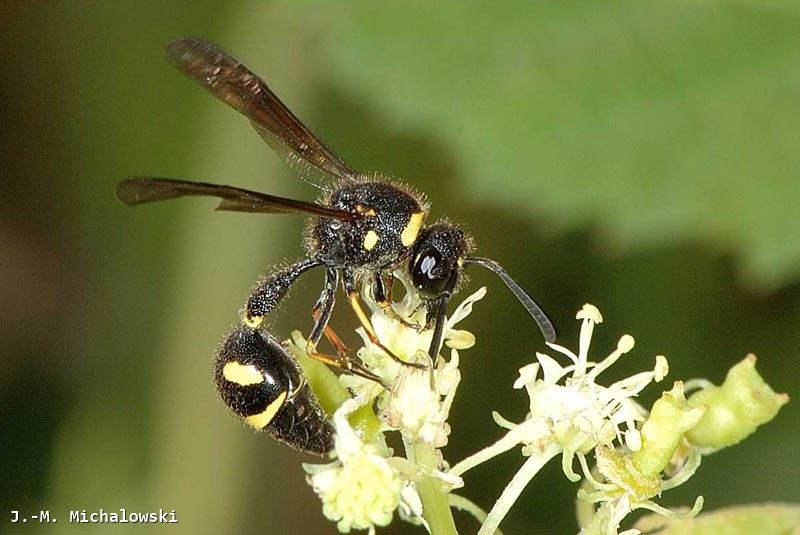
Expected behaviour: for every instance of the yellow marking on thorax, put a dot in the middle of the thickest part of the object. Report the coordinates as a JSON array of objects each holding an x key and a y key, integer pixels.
[
  {"x": 242, "y": 374},
  {"x": 253, "y": 322},
  {"x": 262, "y": 419},
  {"x": 409, "y": 234},
  {"x": 365, "y": 210},
  {"x": 370, "y": 240}
]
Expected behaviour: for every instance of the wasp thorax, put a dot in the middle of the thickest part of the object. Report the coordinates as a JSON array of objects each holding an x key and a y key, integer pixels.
[
  {"x": 436, "y": 259},
  {"x": 387, "y": 222}
]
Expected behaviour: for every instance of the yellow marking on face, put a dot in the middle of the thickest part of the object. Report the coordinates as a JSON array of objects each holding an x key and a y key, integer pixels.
[
  {"x": 242, "y": 374},
  {"x": 253, "y": 321},
  {"x": 409, "y": 234},
  {"x": 262, "y": 419},
  {"x": 370, "y": 240}
]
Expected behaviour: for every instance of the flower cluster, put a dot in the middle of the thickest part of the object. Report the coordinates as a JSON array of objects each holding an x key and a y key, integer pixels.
[
  {"x": 365, "y": 484},
  {"x": 360, "y": 489},
  {"x": 637, "y": 453}
]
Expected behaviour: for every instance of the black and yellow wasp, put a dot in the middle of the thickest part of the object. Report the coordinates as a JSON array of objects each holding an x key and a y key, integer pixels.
[{"x": 364, "y": 230}]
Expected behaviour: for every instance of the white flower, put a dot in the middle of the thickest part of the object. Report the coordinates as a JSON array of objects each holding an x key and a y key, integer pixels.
[
  {"x": 567, "y": 406},
  {"x": 582, "y": 413},
  {"x": 410, "y": 508},
  {"x": 419, "y": 399},
  {"x": 569, "y": 412},
  {"x": 361, "y": 489},
  {"x": 402, "y": 333},
  {"x": 420, "y": 409}
]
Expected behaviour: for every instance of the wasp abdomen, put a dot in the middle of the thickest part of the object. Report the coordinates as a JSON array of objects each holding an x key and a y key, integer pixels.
[
  {"x": 261, "y": 383},
  {"x": 271, "y": 290}
]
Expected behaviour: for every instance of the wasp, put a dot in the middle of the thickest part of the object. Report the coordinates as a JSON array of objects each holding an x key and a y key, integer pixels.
[{"x": 364, "y": 231}]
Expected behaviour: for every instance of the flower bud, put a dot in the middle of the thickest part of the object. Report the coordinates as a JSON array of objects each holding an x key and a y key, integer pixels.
[
  {"x": 735, "y": 409},
  {"x": 669, "y": 419}
]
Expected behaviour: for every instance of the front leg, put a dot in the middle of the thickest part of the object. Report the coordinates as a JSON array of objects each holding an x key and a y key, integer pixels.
[
  {"x": 437, "y": 310},
  {"x": 437, "y": 315},
  {"x": 382, "y": 293},
  {"x": 323, "y": 308},
  {"x": 355, "y": 304}
]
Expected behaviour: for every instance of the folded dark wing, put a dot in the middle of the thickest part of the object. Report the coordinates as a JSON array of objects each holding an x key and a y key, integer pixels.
[
  {"x": 237, "y": 86},
  {"x": 138, "y": 190}
]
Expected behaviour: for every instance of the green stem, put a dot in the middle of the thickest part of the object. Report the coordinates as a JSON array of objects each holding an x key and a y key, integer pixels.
[
  {"x": 435, "y": 503},
  {"x": 331, "y": 394}
]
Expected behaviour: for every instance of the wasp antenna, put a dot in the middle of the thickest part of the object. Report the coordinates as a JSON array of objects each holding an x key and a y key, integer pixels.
[{"x": 538, "y": 315}]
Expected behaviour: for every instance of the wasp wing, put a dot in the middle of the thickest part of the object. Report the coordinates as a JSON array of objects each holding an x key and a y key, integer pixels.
[
  {"x": 237, "y": 86},
  {"x": 139, "y": 190}
]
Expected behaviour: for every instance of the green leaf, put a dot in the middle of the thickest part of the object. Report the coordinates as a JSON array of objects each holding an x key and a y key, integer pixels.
[
  {"x": 657, "y": 123},
  {"x": 764, "y": 519}
]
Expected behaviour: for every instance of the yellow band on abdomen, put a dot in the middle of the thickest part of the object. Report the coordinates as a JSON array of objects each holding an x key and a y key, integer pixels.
[
  {"x": 262, "y": 420},
  {"x": 242, "y": 374}
]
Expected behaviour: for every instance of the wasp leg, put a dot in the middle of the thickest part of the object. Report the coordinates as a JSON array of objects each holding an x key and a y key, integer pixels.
[
  {"x": 322, "y": 314},
  {"x": 354, "y": 365},
  {"x": 271, "y": 290},
  {"x": 351, "y": 366},
  {"x": 355, "y": 303},
  {"x": 382, "y": 293},
  {"x": 439, "y": 308},
  {"x": 324, "y": 307},
  {"x": 341, "y": 348},
  {"x": 383, "y": 298},
  {"x": 387, "y": 284}
]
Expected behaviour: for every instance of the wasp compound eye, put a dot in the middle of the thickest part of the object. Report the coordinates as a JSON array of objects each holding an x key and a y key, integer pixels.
[
  {"x": 434, "y": 265},
  {"x": 430, "y": 273}
]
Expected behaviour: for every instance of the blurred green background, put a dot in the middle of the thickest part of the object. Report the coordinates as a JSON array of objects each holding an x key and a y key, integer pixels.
[{"x": 641, "y": 156}]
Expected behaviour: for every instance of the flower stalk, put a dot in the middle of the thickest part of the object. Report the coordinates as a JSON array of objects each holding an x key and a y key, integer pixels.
[
  {"x": 510, "y": 494},
  {"x": 435, "y": 504}
]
